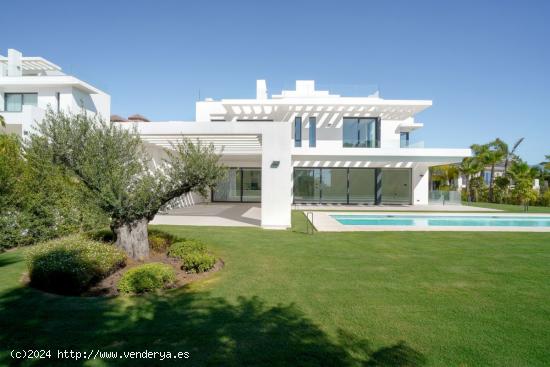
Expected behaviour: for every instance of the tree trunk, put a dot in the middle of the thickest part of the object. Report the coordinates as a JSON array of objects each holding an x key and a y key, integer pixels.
[
  {"x": 491, "y": 183},
  {"x": 133, "y": 239}
]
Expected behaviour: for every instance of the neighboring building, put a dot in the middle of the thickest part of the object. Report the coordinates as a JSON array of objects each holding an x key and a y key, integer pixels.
[
  {"x": 29, "y": 85},
  {"x": 307, "y": 146}
]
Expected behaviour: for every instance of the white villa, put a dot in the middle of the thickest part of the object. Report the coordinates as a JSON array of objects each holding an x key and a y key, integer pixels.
[{"x": 303, "y": 146}]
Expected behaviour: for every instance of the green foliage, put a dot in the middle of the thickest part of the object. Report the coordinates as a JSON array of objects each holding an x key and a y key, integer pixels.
[
  {"x": 38, "y": 200},
  {"x": 102, "y": 235},
  {"x": 182, "y": 247},
  {"x": 193, "y": 255},
  {"x": 146, "y": 278},
  {"x": 112, "y": 163},
  {"x": 198, "y": 262},
  {"x": 71, "y": 264},
  {"x": 159, "y": 241}
]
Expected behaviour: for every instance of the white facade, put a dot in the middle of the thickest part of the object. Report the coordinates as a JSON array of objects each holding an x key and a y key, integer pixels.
[
  {"x": 261, "y": 133},
  {"x": 30, "y": 85}
]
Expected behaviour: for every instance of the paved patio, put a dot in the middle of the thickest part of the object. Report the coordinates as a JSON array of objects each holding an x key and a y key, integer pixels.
[{"x": 213, "y": 214}]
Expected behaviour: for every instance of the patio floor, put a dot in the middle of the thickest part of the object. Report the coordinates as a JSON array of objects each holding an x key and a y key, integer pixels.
[{"x": 213, "y": 214}]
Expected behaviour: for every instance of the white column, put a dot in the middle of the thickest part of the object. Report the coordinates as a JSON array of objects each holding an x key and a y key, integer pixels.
[
  {"x": 421, "y": 185},
  {"x": 276, "y": 177}
]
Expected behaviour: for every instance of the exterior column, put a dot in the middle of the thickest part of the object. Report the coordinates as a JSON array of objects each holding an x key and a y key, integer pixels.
[
  {"x": 276, "y": 176},
  {"x": 378, "y": 186},
  {"x": 421, "y": 185}
]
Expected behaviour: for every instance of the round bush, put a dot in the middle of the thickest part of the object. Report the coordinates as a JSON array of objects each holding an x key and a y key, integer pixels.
[
  {"x": 182, "y": 247},
  {"x": 70, "y": 265},
  {"x": 147, "y": 277},
  {"x": 198, "y": 261}
]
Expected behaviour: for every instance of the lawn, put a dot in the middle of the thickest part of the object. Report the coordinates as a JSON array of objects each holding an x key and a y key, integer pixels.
[
  {"x": 510, "y": 208},
  {"x": 288, "y": 298}
]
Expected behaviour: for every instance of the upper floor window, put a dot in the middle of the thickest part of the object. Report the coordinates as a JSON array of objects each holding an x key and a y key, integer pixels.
[
  {"x": 312, "y": 132},
  {"x": 14, "y": 102},
  {"x": 404, "y": 140},
  {"x": 298, "y": 132},
  {"x": 361, "y": 132}
]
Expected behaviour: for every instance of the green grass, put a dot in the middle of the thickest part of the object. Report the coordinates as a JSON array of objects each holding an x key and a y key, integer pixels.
[
  {"x": 510, "y": 208},
  {"x": 335, "y": 299}
]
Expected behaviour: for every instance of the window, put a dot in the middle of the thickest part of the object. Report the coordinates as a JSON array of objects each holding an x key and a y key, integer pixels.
[
  {"x": 361, "y": 132},
  {"x": 14, "y": 102},
  {"x": 312, "y": 132},
  {"x": 239, "y": 185},
  {"x": 404, "y": 140},
  {"x": 298, "y": 132}
]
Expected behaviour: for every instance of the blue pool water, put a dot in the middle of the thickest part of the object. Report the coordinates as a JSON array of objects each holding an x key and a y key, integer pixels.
[{"x": 442, "y": 220}]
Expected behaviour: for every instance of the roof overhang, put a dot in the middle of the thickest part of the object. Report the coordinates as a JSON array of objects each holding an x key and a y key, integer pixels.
[
  {"x": 35, "y": 64},
  {"x": 48, "y": 81}
]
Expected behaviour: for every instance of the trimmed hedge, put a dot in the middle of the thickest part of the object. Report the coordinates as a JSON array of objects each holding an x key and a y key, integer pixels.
[
  {"x": 71, "y": 264},
  {"x": 193, "y": 254},
  {"x": 198, "y": 261},
  {"x": 182, "y": 247},
  {"x": 146, "y": 278}
]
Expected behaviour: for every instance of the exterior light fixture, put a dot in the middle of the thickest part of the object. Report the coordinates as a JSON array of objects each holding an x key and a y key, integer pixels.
[{"x": 275, "y": 164}]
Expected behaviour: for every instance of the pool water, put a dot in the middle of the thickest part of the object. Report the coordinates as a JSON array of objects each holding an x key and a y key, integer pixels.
[{"x": 442, "y": 220}]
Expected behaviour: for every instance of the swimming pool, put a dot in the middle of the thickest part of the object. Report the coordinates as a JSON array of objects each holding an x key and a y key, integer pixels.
[{"x": 446, "y": 220}]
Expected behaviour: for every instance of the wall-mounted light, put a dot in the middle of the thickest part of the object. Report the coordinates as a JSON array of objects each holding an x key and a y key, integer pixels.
[{"x": 274, "y": 164}]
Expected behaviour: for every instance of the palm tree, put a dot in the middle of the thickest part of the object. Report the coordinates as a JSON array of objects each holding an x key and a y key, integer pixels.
[
  {"x": 523, "y": 175},
  {"x": 469, "y": 168},
  {"x": 491, "y": 154},
  {"x": 445, "y": 174},
  {"x": 546, "y": 164},
  {"x": 511, "y": 154}
]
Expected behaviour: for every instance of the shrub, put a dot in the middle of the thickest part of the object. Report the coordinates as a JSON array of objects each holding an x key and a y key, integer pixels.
[
  {"x": 145, "y": 278},
  {"x": 183, "y": 247},
  {"x": 102, "y": 235},
  {"x": 160, "y": 241},
  {"x": 71, "y": 264},
  {"x": 198, "y": 261}
]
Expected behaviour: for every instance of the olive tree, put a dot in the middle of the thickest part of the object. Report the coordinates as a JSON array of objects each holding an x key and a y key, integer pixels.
[{"x": 112, "y": 163}]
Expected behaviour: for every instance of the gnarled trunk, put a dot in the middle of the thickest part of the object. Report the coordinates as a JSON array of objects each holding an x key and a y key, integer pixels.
[{"x": 133, "y": 239}]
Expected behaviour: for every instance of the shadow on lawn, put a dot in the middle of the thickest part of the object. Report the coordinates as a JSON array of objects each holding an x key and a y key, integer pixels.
[{"x": 213, "y": 331}]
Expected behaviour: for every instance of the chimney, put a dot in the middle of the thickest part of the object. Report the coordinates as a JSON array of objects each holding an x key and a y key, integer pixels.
[
  {"x": 15, "y": 66},
  {"x": 261, "y": 89}
]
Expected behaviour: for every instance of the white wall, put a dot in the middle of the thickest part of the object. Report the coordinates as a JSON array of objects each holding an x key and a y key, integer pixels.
[{"x": 421, "y": 184}]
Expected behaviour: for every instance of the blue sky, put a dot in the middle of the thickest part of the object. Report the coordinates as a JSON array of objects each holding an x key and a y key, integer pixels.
[{"x": 485, "y": 64}]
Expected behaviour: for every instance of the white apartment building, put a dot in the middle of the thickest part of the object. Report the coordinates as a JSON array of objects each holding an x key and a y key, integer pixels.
[
  {"x": 303, "y": 146},
  {"x": 29, "y": 85}
]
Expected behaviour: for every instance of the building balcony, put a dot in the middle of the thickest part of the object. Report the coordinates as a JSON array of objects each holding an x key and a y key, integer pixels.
[{"x": 21, "y": 122}]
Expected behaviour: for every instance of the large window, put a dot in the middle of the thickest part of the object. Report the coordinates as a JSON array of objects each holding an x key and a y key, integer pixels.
[
  {"x": 352, "y": 185},
  {"x": 334, "y": 185},
  {"x": 361, "y": 132},
  {"x": 298, "y": 132},
  {"x": 14, "y": 102},
  {"x": 240, "y": 185},
  {"x": 307, "y": 185},
  {"x": 396, "y": 186},
  {"x": 312, "y": 132}
]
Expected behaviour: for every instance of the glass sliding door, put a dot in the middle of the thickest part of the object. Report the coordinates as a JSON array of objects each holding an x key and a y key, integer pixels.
[
  {"x": 334, "y": 185},
  {"x": 361, "y": 185},
  {"x": 396, "y": 186},
  {"x": 252, "y": 184},
  {"x": 229, "y": 189},
  {"x": 307, "y": 185}
]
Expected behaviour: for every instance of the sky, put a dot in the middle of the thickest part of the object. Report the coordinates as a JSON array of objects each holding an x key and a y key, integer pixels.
[{"x": 485, "y": 64}]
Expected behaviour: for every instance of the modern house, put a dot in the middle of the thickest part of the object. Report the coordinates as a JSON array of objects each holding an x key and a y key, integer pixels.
[
  {"x": 302, "y": 146},
  {"x": 29, "y": 85}
]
